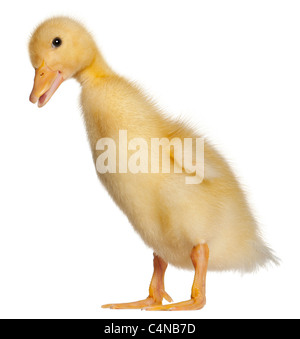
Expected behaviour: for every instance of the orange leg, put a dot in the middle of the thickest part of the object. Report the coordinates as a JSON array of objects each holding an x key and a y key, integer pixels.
[
  {"x": 199, "y": 256},
  {"x": 156, "y": 291}
]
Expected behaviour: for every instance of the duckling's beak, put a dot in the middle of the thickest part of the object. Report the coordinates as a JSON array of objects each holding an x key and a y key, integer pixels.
[{"x": 46, "y": 82}]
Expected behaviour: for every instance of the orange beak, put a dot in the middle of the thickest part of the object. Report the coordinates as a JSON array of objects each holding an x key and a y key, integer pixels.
[{"x": 46, "y": 82}]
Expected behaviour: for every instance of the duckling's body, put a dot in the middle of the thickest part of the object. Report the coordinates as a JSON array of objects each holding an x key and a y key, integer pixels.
[{"x": 172, "y": 217}]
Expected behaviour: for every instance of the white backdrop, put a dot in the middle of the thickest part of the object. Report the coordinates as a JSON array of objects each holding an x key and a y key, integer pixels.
[{"x": 233, "y": 69}]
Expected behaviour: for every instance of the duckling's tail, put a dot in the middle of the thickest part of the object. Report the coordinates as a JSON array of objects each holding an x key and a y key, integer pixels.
[
  {"x": 262, "y": 256},
  {"x": 267, "y": 256}
]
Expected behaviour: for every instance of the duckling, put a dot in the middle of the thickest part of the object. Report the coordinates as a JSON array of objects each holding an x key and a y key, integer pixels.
[{"x": 205, "y": 226}]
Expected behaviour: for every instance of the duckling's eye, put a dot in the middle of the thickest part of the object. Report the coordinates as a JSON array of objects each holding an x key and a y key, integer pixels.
[{"x": 56, "y": 42}]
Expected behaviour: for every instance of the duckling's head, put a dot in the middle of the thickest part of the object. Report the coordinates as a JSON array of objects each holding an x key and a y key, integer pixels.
[{"x": 59, "y": 49}]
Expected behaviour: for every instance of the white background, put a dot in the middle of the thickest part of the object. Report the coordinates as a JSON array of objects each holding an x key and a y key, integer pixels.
[{"x": 233, "y": 69}]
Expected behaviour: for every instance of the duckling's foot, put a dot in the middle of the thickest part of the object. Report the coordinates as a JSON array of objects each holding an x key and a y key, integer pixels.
[
  {"x": 199, "y": 256},
  {"x": 189, "y": 305},
  {"x": 156, "y": 291},
  {"x": 134, "y": 305}
]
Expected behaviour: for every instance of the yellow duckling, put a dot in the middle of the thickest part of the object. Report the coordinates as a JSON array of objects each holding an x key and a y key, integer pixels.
[{"x": 203, "y": 226}]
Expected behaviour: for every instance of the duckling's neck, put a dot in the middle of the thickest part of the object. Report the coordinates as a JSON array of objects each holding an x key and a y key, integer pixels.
[{"x": 97, "y": 69}]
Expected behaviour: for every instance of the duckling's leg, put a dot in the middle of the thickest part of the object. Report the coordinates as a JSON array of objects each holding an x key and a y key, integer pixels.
[
  {"x": 156, "y": 291},
  {"x": 199, "y": 256}
]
